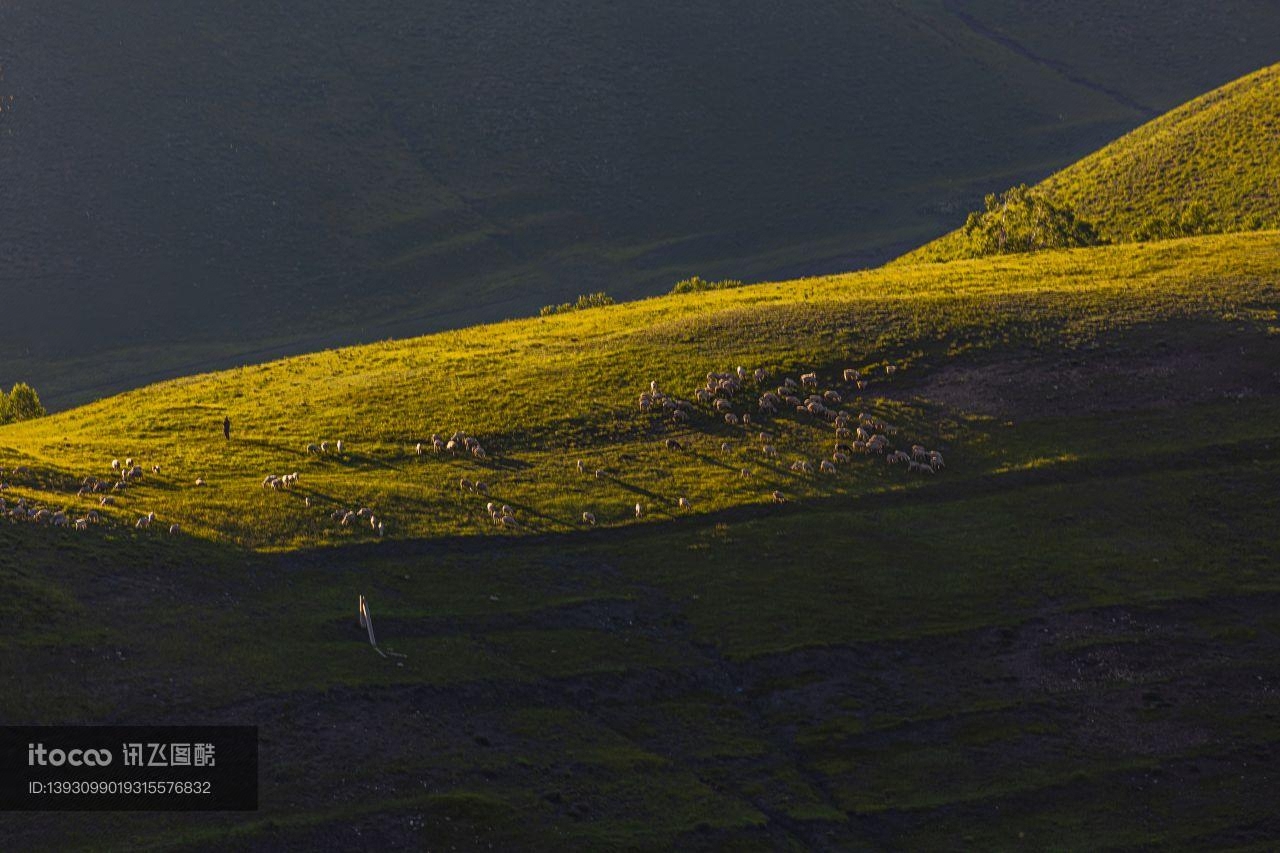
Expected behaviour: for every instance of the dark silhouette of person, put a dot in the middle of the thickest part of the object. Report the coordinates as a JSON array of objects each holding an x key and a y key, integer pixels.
[{"x": 226, "y": 428}]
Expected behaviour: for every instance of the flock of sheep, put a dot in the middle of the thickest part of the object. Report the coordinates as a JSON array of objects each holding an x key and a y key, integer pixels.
[
  {"x": 124, "y": 475},
  {"x": 741, "y": 399}
]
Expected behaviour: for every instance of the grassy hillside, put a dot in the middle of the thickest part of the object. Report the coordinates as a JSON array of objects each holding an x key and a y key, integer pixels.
[
  {"x": 205, "y": 189},
  {"x": 1068, "y": 632},
  {"x": 1207, "y": 166}
]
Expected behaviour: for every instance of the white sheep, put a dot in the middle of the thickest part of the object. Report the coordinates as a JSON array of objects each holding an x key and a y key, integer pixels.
[
  {"x": 769, "y": 451},
  {"x": 417, "y": 449},
  {"x": 313, "y": 448},
  {"x": 200, "y": 481},
  {"x": 115, "y": 464},
  {"x": 731, "y": 419},
  {"x": 726, "y": 447},
  {"x": 683, "y": 503},
  {"x": 810, "y": 379},
  {"x": 827, "y": 466},
  {"x": 778, "y": 498},
  {"x": 588, "y": 518},
  {"x": 338, "y": 446},
  {"x": 639, "y": 510},
  {"x": 850, "y": 375},
  {"x": 582, "y": 467},
  {"x": 175, "y": 529}
]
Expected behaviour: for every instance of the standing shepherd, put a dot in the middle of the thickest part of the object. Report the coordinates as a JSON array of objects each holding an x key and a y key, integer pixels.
[{"x": 226, "y": 428}]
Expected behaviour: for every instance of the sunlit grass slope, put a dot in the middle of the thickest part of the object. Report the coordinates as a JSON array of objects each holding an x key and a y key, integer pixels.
[
  {"x": 541, "y": 394},
  {"x": 1070, "y": 632},
  {"x": 1216, "y": 154}
]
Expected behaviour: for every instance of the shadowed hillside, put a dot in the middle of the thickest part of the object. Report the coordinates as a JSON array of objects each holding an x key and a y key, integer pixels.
[{"x": 191, "y": 190}]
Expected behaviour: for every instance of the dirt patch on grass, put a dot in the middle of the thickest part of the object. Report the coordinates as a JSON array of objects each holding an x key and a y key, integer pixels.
[{"x": 1148, "y": 371}]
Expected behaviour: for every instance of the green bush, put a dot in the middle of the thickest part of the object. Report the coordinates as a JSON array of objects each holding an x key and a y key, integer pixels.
[
  {"x": 20, "y": 404},
  {"x": 586, "y": 300},
  {"x": 1019, "y": 221},
  {"x": 696, "y": 285}
]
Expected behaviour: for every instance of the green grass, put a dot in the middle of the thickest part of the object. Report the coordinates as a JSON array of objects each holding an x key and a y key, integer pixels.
[{"x": 1081, "y": 602}]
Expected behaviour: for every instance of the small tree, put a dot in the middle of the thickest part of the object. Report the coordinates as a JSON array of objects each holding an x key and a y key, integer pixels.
[
  {"x": 585, "y": 300},
  {"x": 697, "y": 285},
  {"x": 1020, "y": 220},
  {"x": 24, "y": 403}
]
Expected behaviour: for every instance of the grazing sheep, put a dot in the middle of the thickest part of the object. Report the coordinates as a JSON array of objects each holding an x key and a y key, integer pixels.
[
  {"x": 348, "y": 518},
  {"x": 507, "y": 521},
  {"x": 600, "y": 473},
  {"x": 465, "y": 485},
  {"x": 919, "y": 453},
  {"x": 82, "y": 524},
  {"x": 155, "y": 469},
  {"x": 200, "y": 481},
  {"x": 417, "y": 449},
  {"x": 482, "y": 487},
  {"x": 850, "y": 375},
  {"x": 877, "y": 444},
  {"x": 338, "y": 446},
  {"x": 935, "y": 460},
  {"x": 726, "y": 447},
  {"x": 778, "y": 498},
  {"x": 769, "y": 451},
  {"x": 106, "y": 500},
  {"x": 115, "y": 464},
  {"x": 683, "y": 503},
  {"x": 679, "y": 417},
  {"x": 832, "y": 397},
  {"x": 639, "y": 510},
  {"x": 324, "y": 447},
  {"x": 128, "y": 463},
  {"x": 506, "y": 510},
  {"x": 588, "y": 518},
  {"x": 841, "y": 432},
  {"x": 582, "y": 467},
  {"x": 810, "y": 379},
  {"x": 827, "y": 466},
  {"x": 760, "y": 376},
  {"x": 175, "y": 529},
  {"x": 491, "y": 507},
  {"x": 380, "y": 528},
  {"x": 839, "y": 457},
  {"x": 731, "y": 419},
  {"x": 744, "y": 473},
  {"x": 890, "y": 369},
  {"x": 364, "y": 512},
  {"x": 672, "y": 444},
  {"x": 478, "y": 452},
  {"x": 920, "y": 468},
  {"x": 897, "y": 456},
  {"x": 313, "y": 448}
]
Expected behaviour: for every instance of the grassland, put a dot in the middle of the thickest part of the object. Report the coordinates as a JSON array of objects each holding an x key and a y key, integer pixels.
[
  {"x": 218, "y": 188},
  {"x": 1065, "y": 639},
  {"x": 1207, "y": 166}
]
